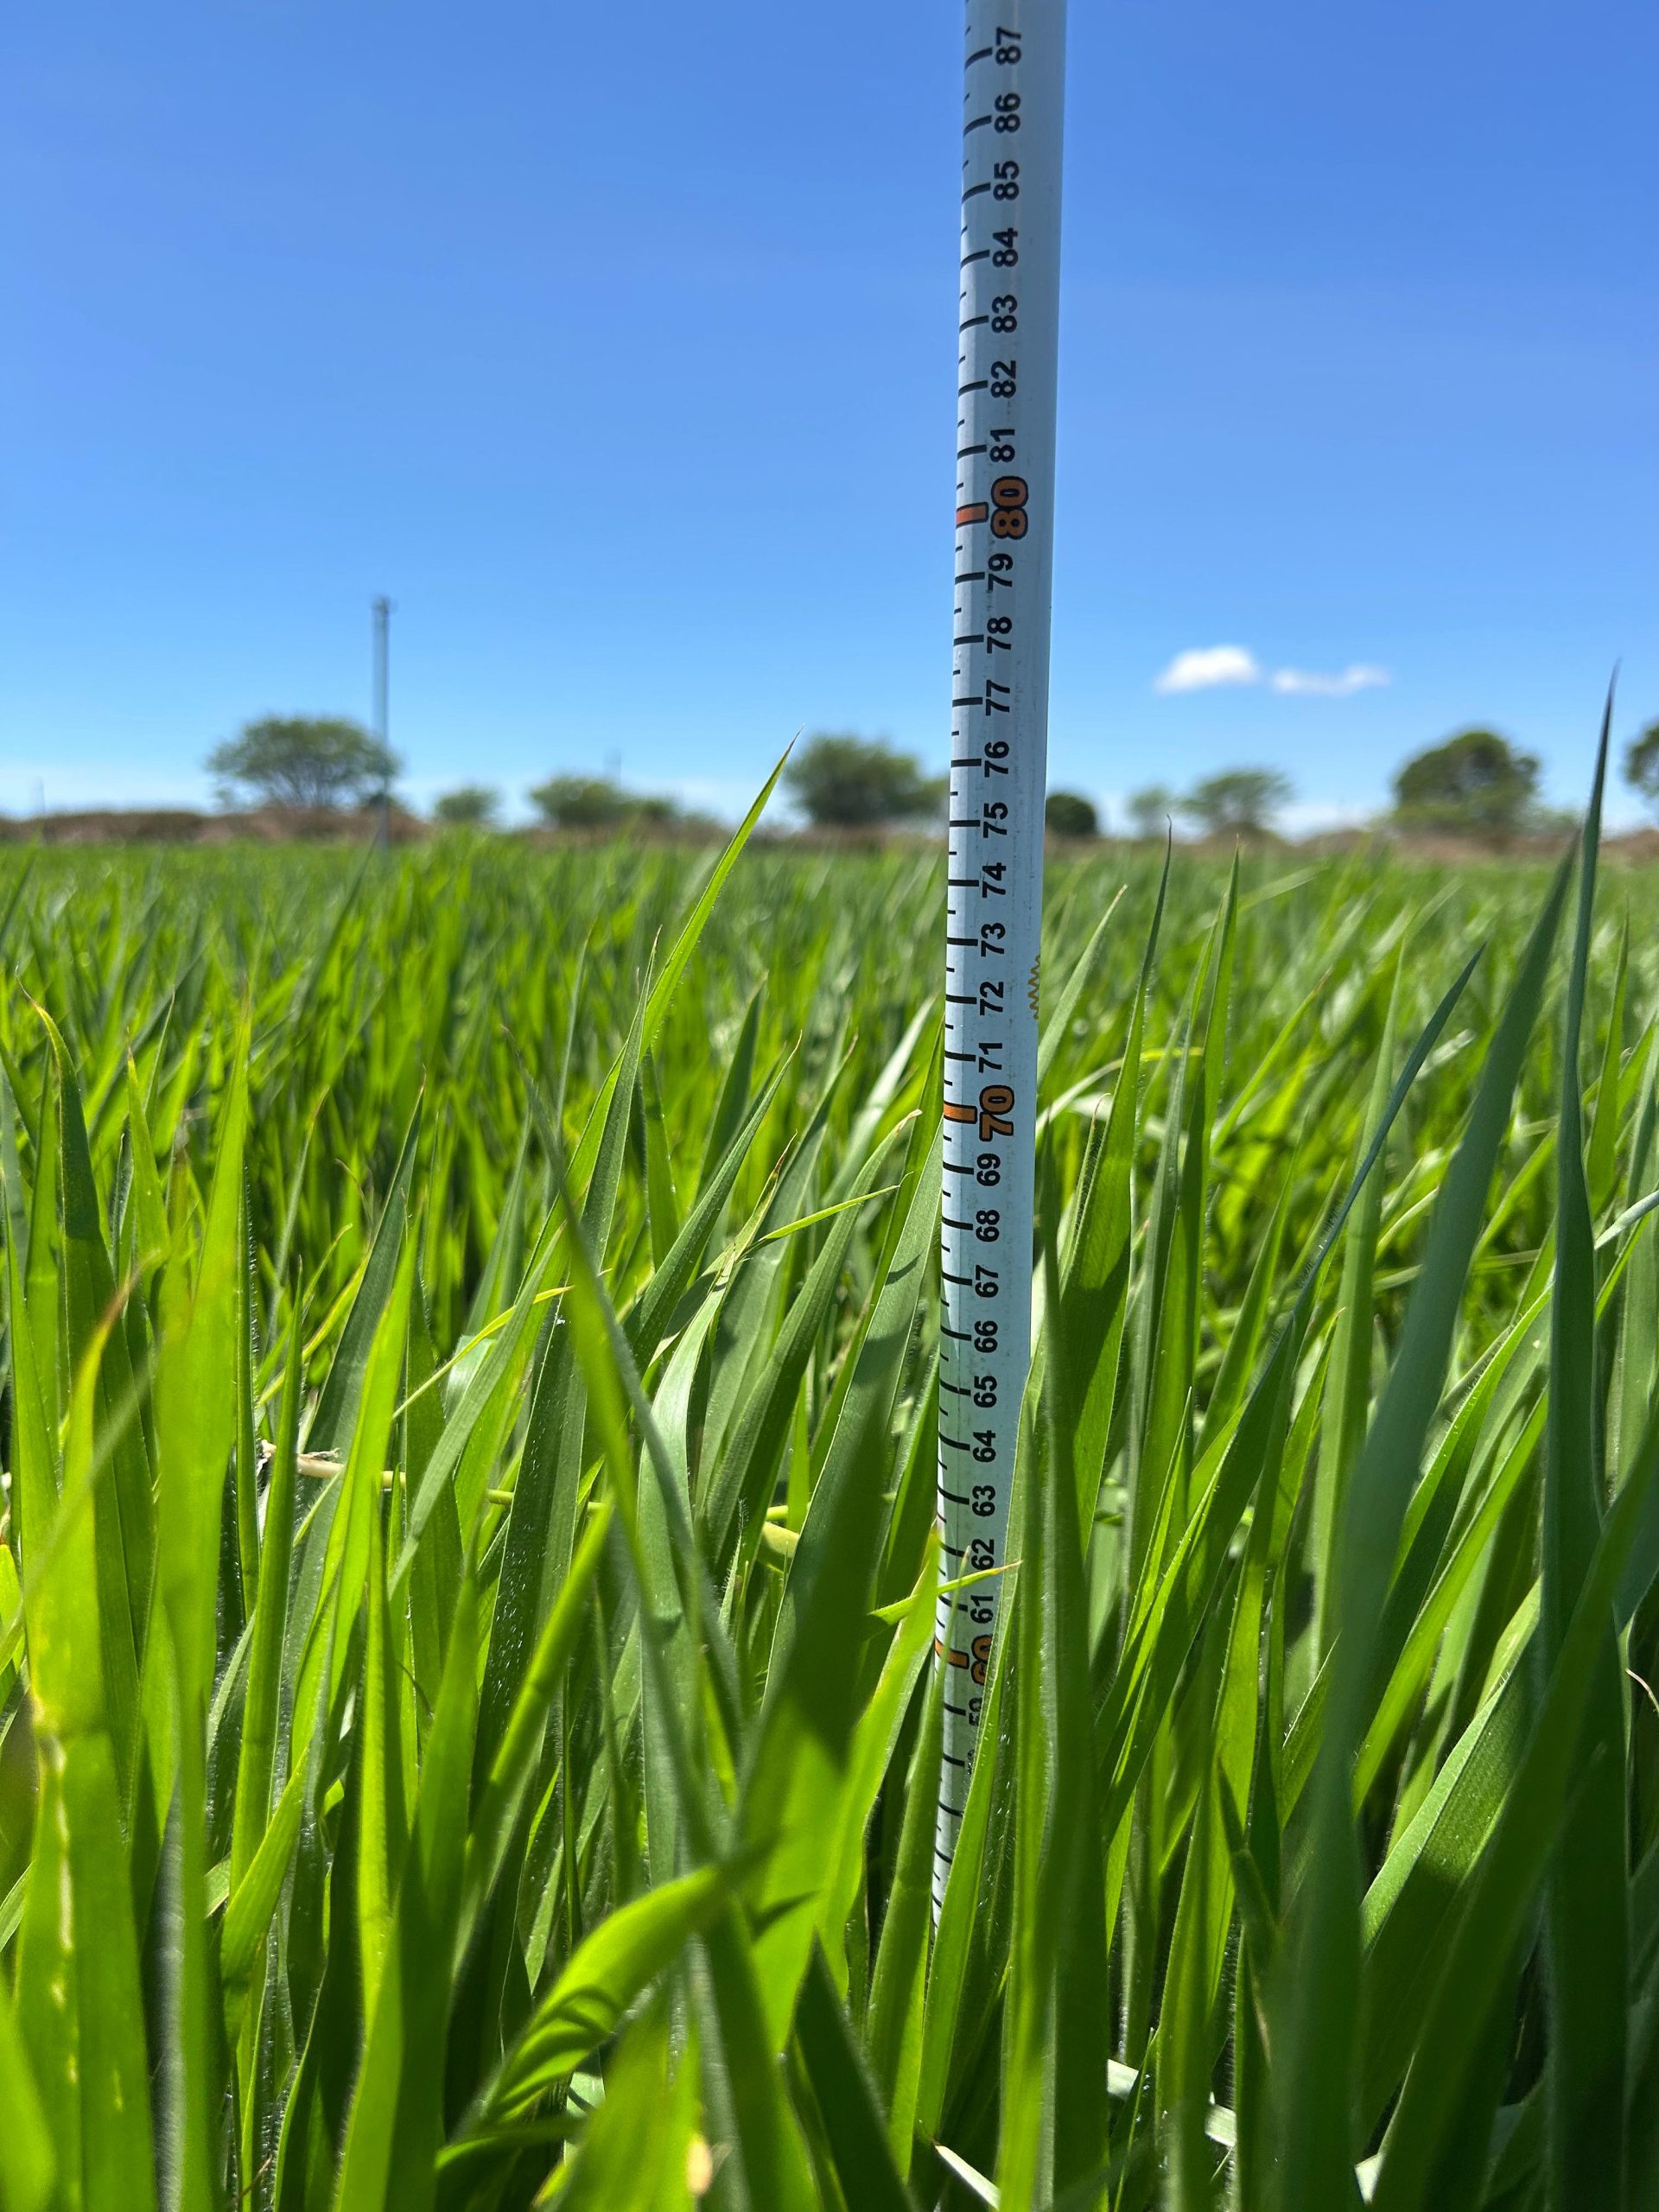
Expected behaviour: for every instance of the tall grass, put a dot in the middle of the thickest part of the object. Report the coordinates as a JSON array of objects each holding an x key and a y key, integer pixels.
[{"x": 468, "y": 1731}]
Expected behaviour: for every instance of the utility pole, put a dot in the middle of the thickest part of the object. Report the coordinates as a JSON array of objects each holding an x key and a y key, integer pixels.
[{"x": 382, "y": 708}]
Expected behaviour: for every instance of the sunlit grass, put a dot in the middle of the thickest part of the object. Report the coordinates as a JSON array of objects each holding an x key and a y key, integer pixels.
[{"x": 469, "y": 1736}]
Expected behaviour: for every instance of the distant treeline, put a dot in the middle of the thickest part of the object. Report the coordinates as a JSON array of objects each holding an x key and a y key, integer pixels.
[{"x": 287, "y": 776}]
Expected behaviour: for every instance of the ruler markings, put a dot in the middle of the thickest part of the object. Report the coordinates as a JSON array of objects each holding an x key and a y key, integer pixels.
[{"x": 1009, "y": 263}]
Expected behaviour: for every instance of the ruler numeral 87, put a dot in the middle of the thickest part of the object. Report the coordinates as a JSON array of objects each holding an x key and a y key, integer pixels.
[{"x": 1008, "y": 497}]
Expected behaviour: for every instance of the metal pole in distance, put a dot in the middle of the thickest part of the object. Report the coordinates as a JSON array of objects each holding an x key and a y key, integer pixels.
[
  {"x": 382, "y": 703},
  {"x": 1008, "y": 321}
]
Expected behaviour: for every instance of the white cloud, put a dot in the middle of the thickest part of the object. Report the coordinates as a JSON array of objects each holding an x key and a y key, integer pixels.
[
  {"x": 1360, "y": 676},
  {"x": 1206, "y": 667},
  {"x": 1201, "y": 668}
]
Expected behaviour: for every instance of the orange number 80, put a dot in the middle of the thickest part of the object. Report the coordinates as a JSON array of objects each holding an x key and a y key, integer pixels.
[{"x": 1008, "y": 497}]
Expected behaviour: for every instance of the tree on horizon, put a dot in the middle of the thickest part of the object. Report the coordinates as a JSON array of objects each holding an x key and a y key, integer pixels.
[
  {"x": 1069, "y": 814},
  {"x": 1642, "y": 765},
  {"x": 1238, "y": 803},
  {"x": 308, "y": 762},
  {"x": 1475, "y": 784},
  {"x": 1149, "y": 810},
  {"x": 470, "y": 806},
  {"x": 843, "y": 782}
]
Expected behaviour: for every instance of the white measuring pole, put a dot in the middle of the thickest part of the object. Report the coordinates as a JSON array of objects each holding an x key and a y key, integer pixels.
[{"x": 999, "y": 743}]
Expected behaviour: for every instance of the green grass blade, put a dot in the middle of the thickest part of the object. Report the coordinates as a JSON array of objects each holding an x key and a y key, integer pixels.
[
  {"x": 1315, "y": 2045},
  {"x": 396, "y": 2122},
  {"x": 802, "y": 1762},
  {"x": 622, "y": 1957},
  {"x": 1053, "y": 2131},
  {"x": 335, "y": 1417},
  {"x": 261, "y": 1711},
  {"x": 1348, "y": 1384},
  {"x": 1588, "y": 1933},
  {"x": 27, "y": 2167},
  {"x": 1506, "y": 1894},
  {"x": 899, "y": 1987},
  {"x": 854, "y": 2124}
]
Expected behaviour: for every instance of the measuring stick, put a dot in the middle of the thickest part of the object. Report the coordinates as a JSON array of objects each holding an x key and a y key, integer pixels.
[{"x": 999, "y": 742}]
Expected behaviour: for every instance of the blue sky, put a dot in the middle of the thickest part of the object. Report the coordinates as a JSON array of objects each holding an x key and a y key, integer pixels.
[{"x": 617, "y": 347}]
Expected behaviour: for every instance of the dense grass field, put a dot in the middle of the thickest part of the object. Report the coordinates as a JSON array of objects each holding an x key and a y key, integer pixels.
[{"x": 469, "y": 1736}]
